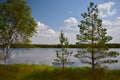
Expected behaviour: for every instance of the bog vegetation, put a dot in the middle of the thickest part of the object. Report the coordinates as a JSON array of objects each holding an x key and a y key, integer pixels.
[{"x": 43, "y": 72}]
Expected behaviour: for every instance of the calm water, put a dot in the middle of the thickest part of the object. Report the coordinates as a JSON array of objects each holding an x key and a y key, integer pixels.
[{"x": 46, "y": 56}]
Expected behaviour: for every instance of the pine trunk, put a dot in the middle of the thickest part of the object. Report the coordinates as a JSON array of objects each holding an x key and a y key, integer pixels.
[{"x": 93, "y": 65}]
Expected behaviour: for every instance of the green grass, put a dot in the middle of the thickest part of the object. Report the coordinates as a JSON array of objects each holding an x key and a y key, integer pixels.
[{"x": 43, "y": 72}]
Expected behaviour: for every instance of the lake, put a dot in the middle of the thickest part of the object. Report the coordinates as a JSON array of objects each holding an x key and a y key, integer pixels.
[{"x": 46, "y": 55}]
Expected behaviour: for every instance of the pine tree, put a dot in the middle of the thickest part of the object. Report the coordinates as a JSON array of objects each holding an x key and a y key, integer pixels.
[
  {"x": 62, "y": 55},
  {"x": 91, "y": 32}
]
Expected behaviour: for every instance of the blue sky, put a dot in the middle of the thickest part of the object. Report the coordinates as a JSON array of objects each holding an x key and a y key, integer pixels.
[{"x": 53, "y": 16}]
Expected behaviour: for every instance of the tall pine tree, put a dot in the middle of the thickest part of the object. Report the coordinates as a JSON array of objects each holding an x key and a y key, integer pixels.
[{"x": 91, "y": 32}]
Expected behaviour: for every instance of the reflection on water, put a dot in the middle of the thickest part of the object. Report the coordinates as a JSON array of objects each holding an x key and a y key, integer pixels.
[
  {"x": 32, "y": 56},
  {"x": 46, "y": 56}
]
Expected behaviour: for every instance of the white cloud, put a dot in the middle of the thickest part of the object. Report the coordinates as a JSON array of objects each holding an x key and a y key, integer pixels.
[
  {"x": 111, "y": 24},
  {"x": 107, "y": 23},
  {"x": 45, "y": 35},
  {"x": 41, "y": 26},
  {"x": 71, "y": 22},
  {"x": 113, "y": 29},
  {"x": 117, "y": 22},
  {"x": 44, "y": 30},
  {"x": 105, "y": 9},
  {"x": 50, "y": 31},
  {"x": 114, "y": 32},
  {"x": 71, "y": 37}
]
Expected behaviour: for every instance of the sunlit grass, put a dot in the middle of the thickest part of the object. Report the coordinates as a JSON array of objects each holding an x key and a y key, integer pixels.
[{"x": 44, "y": 72}]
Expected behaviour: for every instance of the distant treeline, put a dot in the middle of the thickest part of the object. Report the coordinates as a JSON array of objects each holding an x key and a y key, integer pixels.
[{"x": 111, "y": 45}]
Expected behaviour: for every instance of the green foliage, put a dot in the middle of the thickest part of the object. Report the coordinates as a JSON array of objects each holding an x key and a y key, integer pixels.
[
  {"x": 19, "y": 25},
  {"x": 63, "y": 39},
  {"x": 92, "y": 33},
  {"x": 43, "y": 72},
  {"x": 2, "y": 25},
  {"x": 63, "y": 55}
]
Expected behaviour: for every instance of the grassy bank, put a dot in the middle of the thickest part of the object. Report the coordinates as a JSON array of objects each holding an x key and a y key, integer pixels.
[{"x": 37, "y": 72}]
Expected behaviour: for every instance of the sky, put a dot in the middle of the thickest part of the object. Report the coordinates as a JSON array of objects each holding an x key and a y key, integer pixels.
[{"x": 54, "y": 16}]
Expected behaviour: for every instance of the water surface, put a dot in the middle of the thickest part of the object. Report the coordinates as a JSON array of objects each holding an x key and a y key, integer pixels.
[{"x": 46, "y": 55}]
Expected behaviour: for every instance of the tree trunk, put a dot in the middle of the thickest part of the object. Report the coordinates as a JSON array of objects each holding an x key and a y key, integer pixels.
[
  {"x": 93, "y": 65},
  {"x": 6, "y": 52},
  {"x": 5, "y": 56},
  {"x": 63, "y": 62}
]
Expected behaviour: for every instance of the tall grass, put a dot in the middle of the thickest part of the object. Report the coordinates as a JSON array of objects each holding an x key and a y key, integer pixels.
[{"x": 44, "y": 72}]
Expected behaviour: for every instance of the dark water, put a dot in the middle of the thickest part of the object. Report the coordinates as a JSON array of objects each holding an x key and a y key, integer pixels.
[{"x": 46, "y": 56}]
